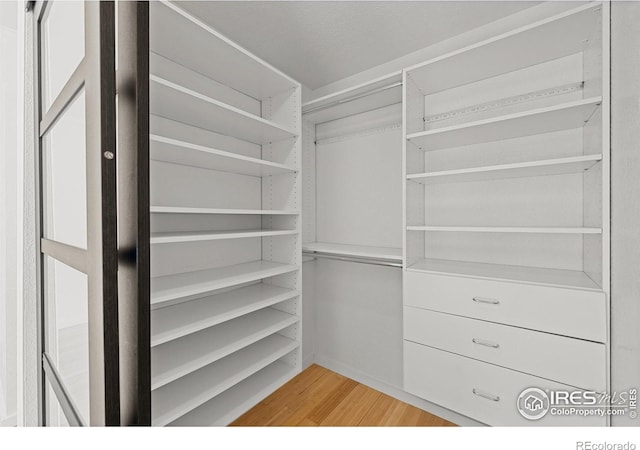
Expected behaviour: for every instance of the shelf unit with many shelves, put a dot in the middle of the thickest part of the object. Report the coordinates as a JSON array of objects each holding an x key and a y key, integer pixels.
[
  {"x": 225, "y": 229},
  {"x": 506, "y": 203}
]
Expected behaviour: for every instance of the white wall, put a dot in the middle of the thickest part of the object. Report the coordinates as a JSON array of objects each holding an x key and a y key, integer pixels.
[
  {"x": 358, "y": 319},
  {"x": 625, "y": 199},
  {"x": 8, "y": 211}
]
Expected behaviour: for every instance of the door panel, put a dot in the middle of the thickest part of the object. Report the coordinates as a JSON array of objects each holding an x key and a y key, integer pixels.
[
  {"x": 67, "y": 333},
  {"x": 62, "y": 46},
  {"x": 64, "y": 178},
  {"x": 75, "y": 46},
  {"x": 94, "y": 327}
]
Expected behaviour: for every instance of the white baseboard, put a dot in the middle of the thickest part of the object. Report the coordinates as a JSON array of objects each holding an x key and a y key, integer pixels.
[
  {"x": 10, "y": 421},
  {"x": 394, "y": 391}
]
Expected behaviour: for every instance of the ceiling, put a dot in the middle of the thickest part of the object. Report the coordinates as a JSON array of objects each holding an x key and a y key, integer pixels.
[{"x": 319, "y": 42}]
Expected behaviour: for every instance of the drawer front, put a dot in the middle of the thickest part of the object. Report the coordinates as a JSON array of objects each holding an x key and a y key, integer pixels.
[
  {"x": 565, "y": 360},
  {"x": 568, "y": 312},
  {"x": 482, "y": 391}
]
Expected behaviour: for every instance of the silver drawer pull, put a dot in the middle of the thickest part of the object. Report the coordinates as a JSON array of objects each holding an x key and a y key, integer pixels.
[
  {"x": 493, "y": 398},
  {"x": 490, "y": 301},
  {"x": 485, "y": 343}
]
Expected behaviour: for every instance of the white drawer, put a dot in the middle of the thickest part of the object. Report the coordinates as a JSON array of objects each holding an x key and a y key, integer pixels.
[
  {"x": 569, "y": 312},
  {"x": 566, "y": 360},
  {"x": 482, "y": 391}
]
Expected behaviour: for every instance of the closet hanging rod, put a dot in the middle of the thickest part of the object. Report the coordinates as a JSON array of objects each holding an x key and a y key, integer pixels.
[
  {"x": 356, "y": 259},
  {"x": 352, "y": 98}
]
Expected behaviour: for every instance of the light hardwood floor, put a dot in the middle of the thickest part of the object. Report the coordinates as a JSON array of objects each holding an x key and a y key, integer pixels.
[{"x": 320, "y": 397}]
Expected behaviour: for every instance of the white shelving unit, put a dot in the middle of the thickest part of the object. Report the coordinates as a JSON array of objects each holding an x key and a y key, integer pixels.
[
  {"x": 558, "y": 166},
  {"x": 189, "y": 154},
  {"x": 189, "y": 284},
  {"x": 180, "y": 320},
  {"x": 546, "y": 40},
  {"x": 352, "y": 227},
  {"x": 179, "y": 103},
  {"x": 226, "y": 247},
  {"x": 503, "y": 272},
  {"x": 375, "y": 94},
  {"x": 193, "y": 236},
  {"x": 481, "y": 174},
  {"x": 191, "y": 391},
  {"x": 238, "y": 399},
  {"x": 506, "y": 199},
  {"x": 180, "y": 357},
  {"x": 241, "y": 71},
  {"x": 542, "y": 120},
  {"x": 361, "y": 120},
  {"x": 444, "y": 170}
]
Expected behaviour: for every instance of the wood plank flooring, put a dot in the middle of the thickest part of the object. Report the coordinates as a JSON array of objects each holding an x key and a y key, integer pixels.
[{"x": 320, "y": 397}]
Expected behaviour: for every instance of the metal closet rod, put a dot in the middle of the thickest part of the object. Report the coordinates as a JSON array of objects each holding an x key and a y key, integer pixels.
[
  {"x": 352, "y": 98},
  {"x": 356, "y": 259}
]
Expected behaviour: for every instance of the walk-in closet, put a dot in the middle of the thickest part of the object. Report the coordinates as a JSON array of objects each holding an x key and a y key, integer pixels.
[
  {"x": 414, "y": 198},
  {"x": 440, "y": 232}
]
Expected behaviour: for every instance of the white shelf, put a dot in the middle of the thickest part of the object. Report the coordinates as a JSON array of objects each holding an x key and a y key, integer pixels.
[
  {"x": 535, "y": 230},
  {"x": 188, "y": 210},
  {"x": 537, "y": 121},
  {"x": 374, "y": 94},
  {"x": 188, "y": 154},
  {"x": 180, "y": 357},
  {"x": 182, "y": 38},
  {"x": 354, "y": 250},
  {"x": 176, "y": 399},
  {"x": 545, "y": 40},
  {"x": 234, "y": 402},
  {"x": 194, "y": 236},
  {"x": 532, "y": 275},
  {"x": 184, "y": 285},
  {"x": 557, "y": 166},
  {"x": 176, "y": 321},
  {"x": 175, "y": 102}
]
